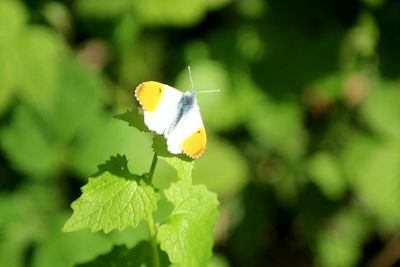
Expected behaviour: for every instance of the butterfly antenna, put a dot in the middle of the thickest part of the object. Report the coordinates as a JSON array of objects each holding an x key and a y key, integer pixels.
[
  {"x": 203, "y": 91},
  {"x": 209, "y": 91},
  {"x": 190, "y": 75}
]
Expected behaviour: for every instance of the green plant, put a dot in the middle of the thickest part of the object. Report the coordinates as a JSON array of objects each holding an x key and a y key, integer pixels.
[{"x": 179, "y": 218}]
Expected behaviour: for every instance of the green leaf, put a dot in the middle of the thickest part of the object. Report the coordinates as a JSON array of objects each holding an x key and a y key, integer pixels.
[
  {"x": 66, "y": 249},
  {"x": 339, "y": 244},
  {"x": 364, "y": 36},
  {"x": 327, "y": 88},
  {"x": 382, "y": 109},
  {"x": 126, "y": 33},
  {"x": 39, "y": 58},
  {"x": 102, "y": 8},
  {"x": 26, "y": 143},
  {"x": 173, "y": 12},
  {"x": 25, "y": 219},
  {"x": 7, "y": 83},
  {"x": 272, "y": 123},
  {"x": 12, "y": 22},
  {"x": 109, "y": 202},
  {"x": 134, "y": 119},
  {"x": 28, "y": 58},
  {"x": 16, "y": 229},
  {"x": 49, "y": 137},
  {"x": 140, "y": 255},
  {"x": 77, "y": 100},
  {"x": 116, "y": 165},
  {"x": 252, "y": 8},
  {"x": 374, "y": 171},
  {"x": 187, "y": 235},
  {"x": 182, "y": 167},
  {"x": 218, "y": 261},
  {"x": 324, "y": 170},
  {"x": 104, "y": 136},
  {"x": 232, "y": 172},
  {"x": 160, "y": 147}
]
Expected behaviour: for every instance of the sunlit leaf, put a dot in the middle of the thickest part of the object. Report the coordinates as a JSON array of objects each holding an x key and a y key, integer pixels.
[
  {"x": 182, "y": 167},
  {"x": 109, "y": 202},
  {"x": 116, "y": 165},
  {"x": 103, "y": 136},
  {"x": 187, "y": 235},
  {"x": 134, "y": 119}
]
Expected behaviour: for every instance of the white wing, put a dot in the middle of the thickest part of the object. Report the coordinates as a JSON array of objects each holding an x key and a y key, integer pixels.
[
  {"x": 161, "y": 118},
  {"x": 188, "y": 125}
]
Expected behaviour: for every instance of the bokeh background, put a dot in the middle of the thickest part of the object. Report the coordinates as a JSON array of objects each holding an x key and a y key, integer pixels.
[{"x": 304, "y": 137}]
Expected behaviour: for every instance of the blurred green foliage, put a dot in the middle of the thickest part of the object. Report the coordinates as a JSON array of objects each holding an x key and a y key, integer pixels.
[{"x": 304, "y": 138}]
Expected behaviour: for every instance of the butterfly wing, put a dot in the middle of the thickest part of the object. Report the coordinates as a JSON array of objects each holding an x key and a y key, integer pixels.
[
  {"x": 189, "y": 135},
  {"x": 159, "y": 102}
]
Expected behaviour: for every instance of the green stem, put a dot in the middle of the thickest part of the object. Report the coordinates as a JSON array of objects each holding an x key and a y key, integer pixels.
[
  {"x": 150, "y": 223},
  {"x": 152, "y": 168},
  {"x": 153, "y": 241}
]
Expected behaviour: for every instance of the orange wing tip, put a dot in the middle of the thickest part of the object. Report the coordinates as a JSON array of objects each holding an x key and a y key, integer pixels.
[
  {"x": 138, "y": 90},
  {"x": 148, "y": 94},
  {"x": 195, "y": 144},
  {"x": 195, "y": 156}
]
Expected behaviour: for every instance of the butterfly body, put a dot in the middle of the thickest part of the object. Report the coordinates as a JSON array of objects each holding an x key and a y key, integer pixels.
[{"x": 174, "y": 114}]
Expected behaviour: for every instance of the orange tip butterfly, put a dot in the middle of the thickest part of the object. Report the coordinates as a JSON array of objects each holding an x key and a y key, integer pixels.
[{"x": 174, "y": 114}]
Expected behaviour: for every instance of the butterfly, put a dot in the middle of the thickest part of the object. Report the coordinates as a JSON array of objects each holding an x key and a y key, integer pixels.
[{"x": 174, "y": 114}]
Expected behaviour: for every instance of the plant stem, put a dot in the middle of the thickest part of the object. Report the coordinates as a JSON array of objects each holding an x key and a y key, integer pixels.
[
  {"x": 152, "y": 168},
  {"x": 150, "y": 223},
  {"x": 153, "y": 242}
]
